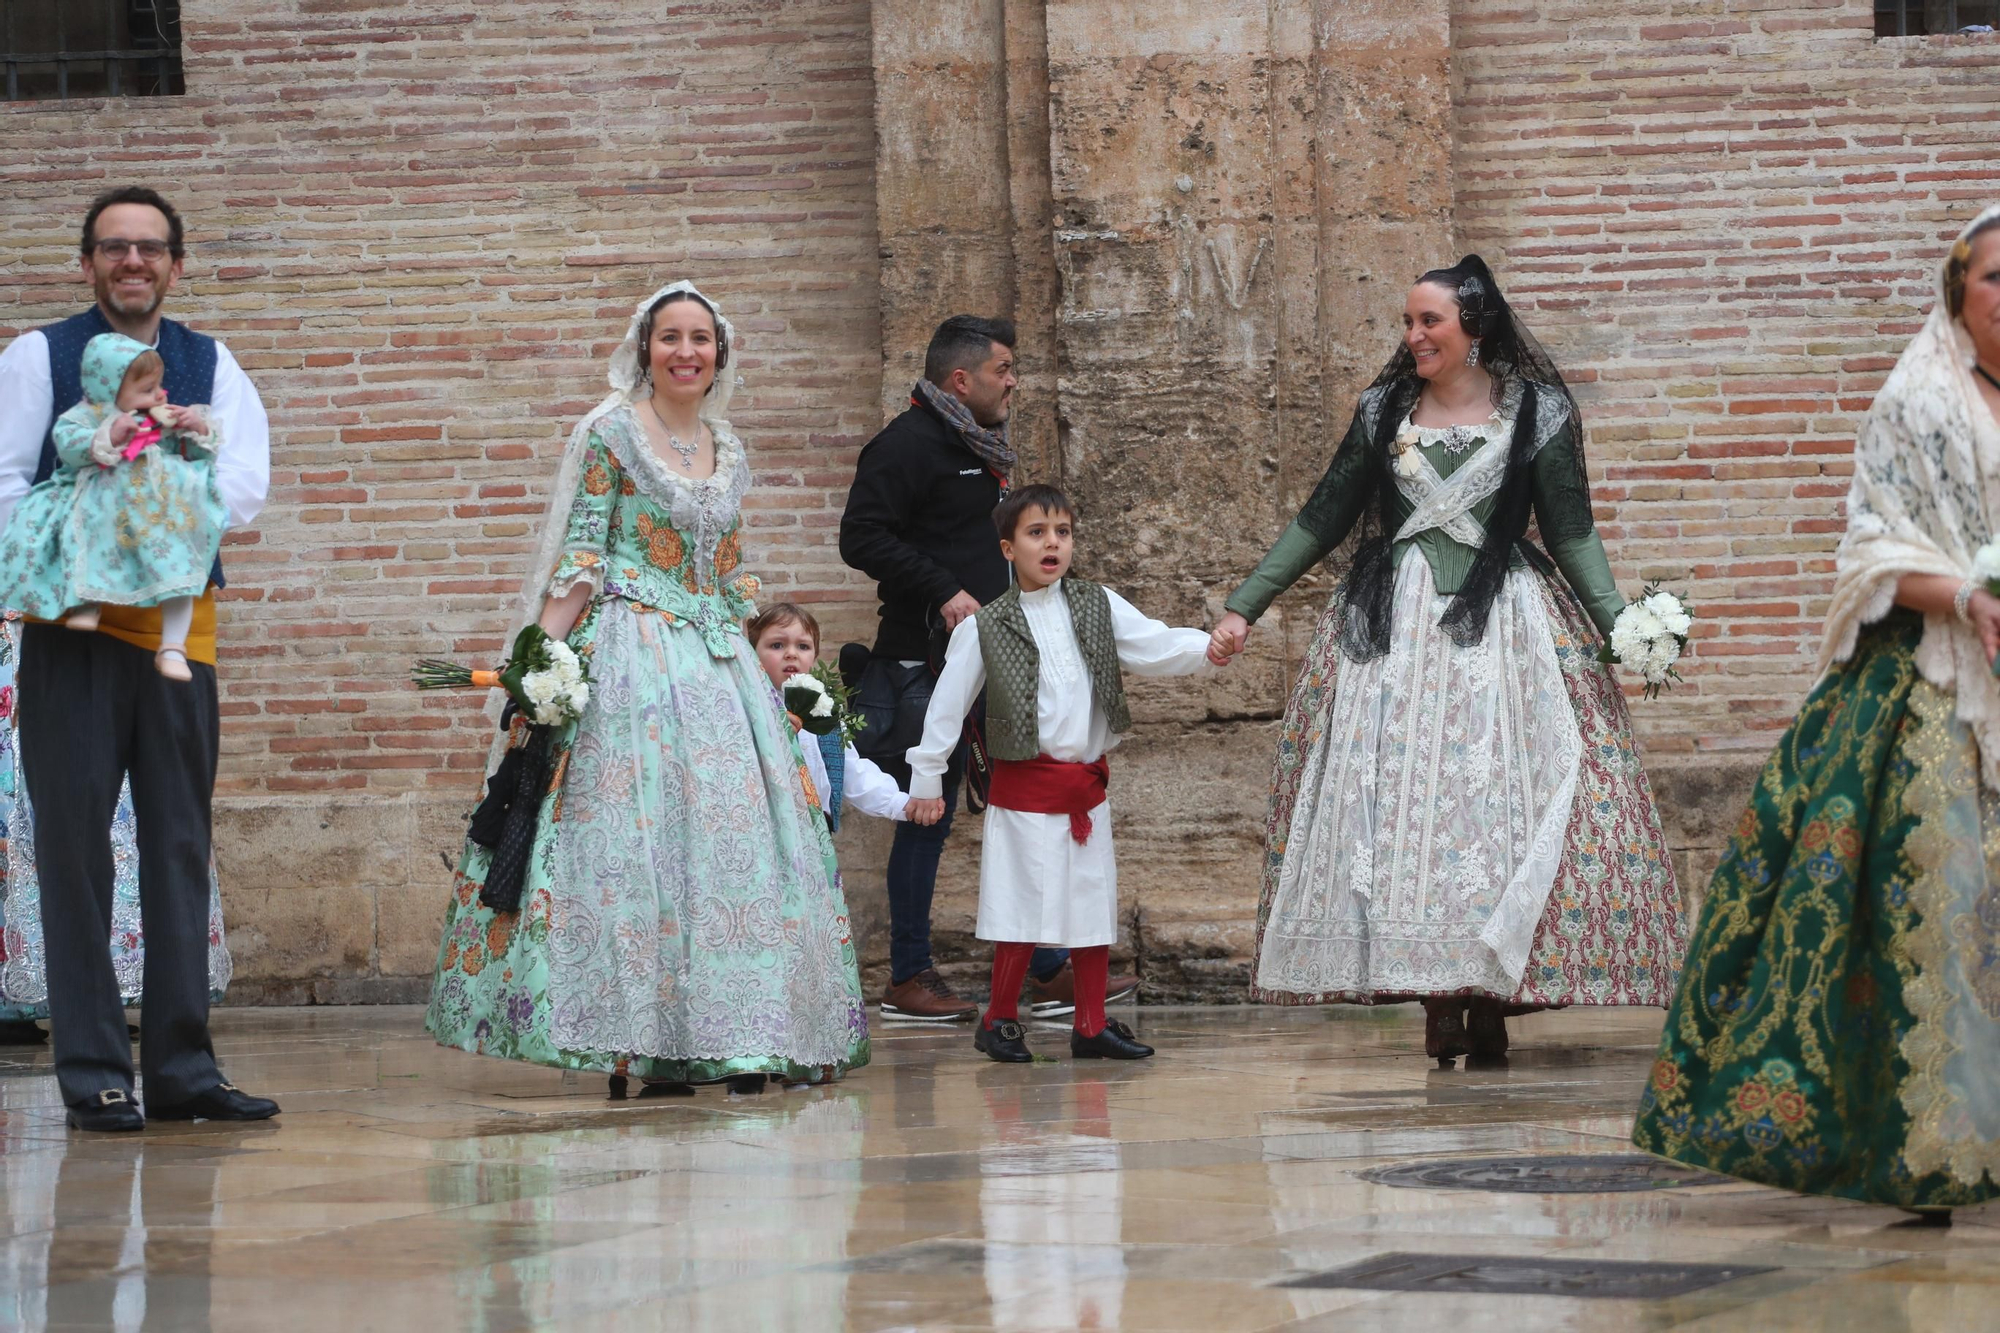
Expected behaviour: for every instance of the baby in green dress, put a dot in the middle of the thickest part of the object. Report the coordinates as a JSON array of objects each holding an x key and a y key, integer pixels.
[{"x": 131, "y": 516}]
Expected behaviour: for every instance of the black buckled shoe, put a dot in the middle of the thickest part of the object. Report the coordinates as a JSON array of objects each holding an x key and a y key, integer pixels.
[
  {"x": 1115, "y": 1042},
  {"x": 111, "y": 1111},
  {"x": 1003, "y": 1041},
  {"x": 224, "y": 1101}
]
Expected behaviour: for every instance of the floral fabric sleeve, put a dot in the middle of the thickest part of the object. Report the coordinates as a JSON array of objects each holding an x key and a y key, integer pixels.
[
  {"x": 74, "y": 432},
  {"x": 738, "y": 585},
  {"x": 588, "y": 539}
]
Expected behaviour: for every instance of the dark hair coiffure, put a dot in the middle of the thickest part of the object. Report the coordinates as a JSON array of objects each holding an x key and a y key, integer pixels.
[
  {"x": 1036, "y": 495},
  {"x": 134, "y": 194},
  {"x": 646, "y": 335},
  {"x": 1517, "y": 363},
  {"x": 964, "y": 342}
]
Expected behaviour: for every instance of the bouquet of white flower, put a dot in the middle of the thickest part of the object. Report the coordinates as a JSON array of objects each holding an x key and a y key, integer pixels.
[
  {"x": 1648, "y": 637},
  {"x": 544, "y": 676},
  {"x": 808, "y": 699}
]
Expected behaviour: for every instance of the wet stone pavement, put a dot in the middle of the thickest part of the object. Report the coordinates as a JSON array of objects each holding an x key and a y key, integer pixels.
[{"x": 1301, "y": 1170}]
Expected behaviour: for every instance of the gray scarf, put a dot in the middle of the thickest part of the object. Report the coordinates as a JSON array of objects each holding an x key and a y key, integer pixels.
[{"x": 990, "y": 445}]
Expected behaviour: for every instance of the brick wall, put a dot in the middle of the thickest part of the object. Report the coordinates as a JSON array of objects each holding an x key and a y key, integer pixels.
[
  {"x": 421, "y": 227},
  {"x": 1724, "y": 218}
]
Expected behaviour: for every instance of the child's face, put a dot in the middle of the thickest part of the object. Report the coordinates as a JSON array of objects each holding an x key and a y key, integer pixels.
[
  {"x": 141, "y": 392},
  {"x": 1040, "y": 550},
  {"x": 786, "y": 649}
]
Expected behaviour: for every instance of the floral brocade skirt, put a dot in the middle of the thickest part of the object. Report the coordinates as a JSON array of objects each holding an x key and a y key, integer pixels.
[
  {"x": 1837, "y": 1031},
  {"x": 682, "y": 916},
  {"x": 1608, "y": 932}
]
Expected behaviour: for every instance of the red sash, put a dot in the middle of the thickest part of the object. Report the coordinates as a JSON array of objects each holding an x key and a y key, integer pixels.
[{"x": 1045, "y": 786}]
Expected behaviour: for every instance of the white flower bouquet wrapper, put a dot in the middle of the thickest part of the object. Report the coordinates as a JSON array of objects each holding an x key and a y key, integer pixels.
[{"x": 1649, "y": 636}]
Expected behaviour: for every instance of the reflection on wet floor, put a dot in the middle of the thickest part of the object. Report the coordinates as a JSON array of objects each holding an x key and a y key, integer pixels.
[{"x": 1220, "y": 1186}]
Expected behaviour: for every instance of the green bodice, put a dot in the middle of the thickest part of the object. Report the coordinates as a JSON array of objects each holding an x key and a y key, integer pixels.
[
  {"x": 1562, "y": 512},
  {"x": 640, "y": 531}
]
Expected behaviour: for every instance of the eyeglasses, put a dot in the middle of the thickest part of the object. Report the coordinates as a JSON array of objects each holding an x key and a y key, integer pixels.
[{"x": 116, "y": 248}]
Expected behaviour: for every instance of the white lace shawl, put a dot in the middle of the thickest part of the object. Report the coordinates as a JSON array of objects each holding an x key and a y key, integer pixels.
[{"x": 1925, "y": 497}]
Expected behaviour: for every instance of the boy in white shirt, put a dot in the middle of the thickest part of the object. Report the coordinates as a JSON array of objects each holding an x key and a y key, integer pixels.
[{"x": 1049, "y": 653}]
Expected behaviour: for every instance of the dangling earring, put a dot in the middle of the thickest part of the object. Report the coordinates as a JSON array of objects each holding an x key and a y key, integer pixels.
[{"x": 1472, "y": 357}]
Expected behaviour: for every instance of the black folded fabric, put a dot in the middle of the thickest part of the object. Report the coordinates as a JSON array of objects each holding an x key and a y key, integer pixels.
[{"x": 505, "y": 821}]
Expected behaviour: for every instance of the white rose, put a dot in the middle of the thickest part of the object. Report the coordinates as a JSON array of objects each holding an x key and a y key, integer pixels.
[
  {"x": 579, "y": 699},
  {"x": 1986, "y": 563},
  {"x": 824, "y": 708}
]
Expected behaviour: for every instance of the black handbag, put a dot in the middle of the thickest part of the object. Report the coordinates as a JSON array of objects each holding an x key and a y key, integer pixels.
[{"x": 893, "y": 699}]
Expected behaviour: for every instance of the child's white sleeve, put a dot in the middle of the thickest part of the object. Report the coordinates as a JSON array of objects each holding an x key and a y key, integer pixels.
[
  {"x": 964, "y": 676},
  {"x": 1147, "y": 647},
  {"x": 871, "y": 791}
]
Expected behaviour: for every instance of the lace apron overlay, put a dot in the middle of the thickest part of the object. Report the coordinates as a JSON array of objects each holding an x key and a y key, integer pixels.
[{"x": 1430, "y": 814}]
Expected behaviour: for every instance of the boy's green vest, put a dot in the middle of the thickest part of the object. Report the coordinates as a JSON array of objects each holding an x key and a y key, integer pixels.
[{"x": 1014, "y": 667}]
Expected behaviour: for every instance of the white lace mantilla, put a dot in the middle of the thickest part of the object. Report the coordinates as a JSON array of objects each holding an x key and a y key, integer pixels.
[{"x": 1430, "y": 817}]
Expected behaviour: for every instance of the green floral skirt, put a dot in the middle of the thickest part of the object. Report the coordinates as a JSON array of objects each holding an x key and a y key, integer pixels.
[{"x": 1783, "y": 1060}]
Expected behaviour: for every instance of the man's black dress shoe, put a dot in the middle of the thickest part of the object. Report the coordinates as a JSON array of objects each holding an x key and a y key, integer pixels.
[
  {"x": 1114, "y": 1043},
  {"x": 224, "y": 1101},
  {"x": 108, "y": 1112},
  {"x": 1003, "y": 1041},
  {"x": 25, "y": 1032}
]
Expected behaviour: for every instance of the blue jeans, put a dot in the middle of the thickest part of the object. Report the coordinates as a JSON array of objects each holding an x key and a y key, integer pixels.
[{"x": 913, "y": 864}]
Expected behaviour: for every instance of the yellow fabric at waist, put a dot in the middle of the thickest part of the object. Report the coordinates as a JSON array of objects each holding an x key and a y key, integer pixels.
[{"x": 140, "y": 626}]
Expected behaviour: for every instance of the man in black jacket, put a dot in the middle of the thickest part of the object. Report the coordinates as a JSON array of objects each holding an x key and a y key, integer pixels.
[{"x": 919, "y": 521}]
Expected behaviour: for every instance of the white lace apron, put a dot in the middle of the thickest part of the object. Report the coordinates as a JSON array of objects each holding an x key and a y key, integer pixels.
[{"x": 1431, "y": 811}]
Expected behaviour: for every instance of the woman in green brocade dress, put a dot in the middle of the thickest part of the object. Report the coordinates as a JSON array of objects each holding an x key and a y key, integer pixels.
[
  {"x": 681, "y": 918},
  {"x": 1837, "y": 1028}
]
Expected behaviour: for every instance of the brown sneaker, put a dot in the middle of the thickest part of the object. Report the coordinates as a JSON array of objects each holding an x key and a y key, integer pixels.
[
  {"x": 926, "y": 998},
  {"x": 1057, "y": 996}
]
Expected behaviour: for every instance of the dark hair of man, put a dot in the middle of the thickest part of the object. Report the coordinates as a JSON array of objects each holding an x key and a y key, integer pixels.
[
  {"x": 1007, "y": 514},
  {"x": 964, "y": 342},
  {"x": 646, "y": 334},
  {"x": 134, "y": 194}
]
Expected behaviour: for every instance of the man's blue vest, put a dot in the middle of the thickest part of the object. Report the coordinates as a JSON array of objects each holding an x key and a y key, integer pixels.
[{"x": 190, "y": 378}]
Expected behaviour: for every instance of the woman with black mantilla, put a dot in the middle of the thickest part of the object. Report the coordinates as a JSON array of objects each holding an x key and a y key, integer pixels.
[{"x": 1459, "y": 815}]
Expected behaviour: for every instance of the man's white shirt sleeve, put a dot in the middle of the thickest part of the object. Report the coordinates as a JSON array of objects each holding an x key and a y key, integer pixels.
[
  {"x": 243, "y": 463},
  {"x": 27, "y": 398}
]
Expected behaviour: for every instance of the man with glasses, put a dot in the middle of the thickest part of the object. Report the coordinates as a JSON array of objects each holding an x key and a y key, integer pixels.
[{"x": 93, "y": 710}]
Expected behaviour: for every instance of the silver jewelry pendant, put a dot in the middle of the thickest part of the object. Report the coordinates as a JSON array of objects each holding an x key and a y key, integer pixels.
[
  {"x": 686, "y": 451},
  {"x": 1457, "y": 439},
  {"x": 1472, "y": 356}
]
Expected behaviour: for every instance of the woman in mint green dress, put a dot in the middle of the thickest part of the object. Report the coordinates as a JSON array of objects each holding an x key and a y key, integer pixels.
[
  {"x": 681, "y": 919},
  {"x": 1837, "y": 1029}
]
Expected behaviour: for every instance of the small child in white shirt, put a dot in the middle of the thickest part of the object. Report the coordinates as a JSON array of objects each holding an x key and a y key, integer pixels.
[{"x": 786, "y": 637}]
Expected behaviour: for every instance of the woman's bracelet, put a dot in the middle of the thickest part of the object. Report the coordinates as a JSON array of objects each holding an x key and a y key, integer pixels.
[{"x": 1961, "y": 601}]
